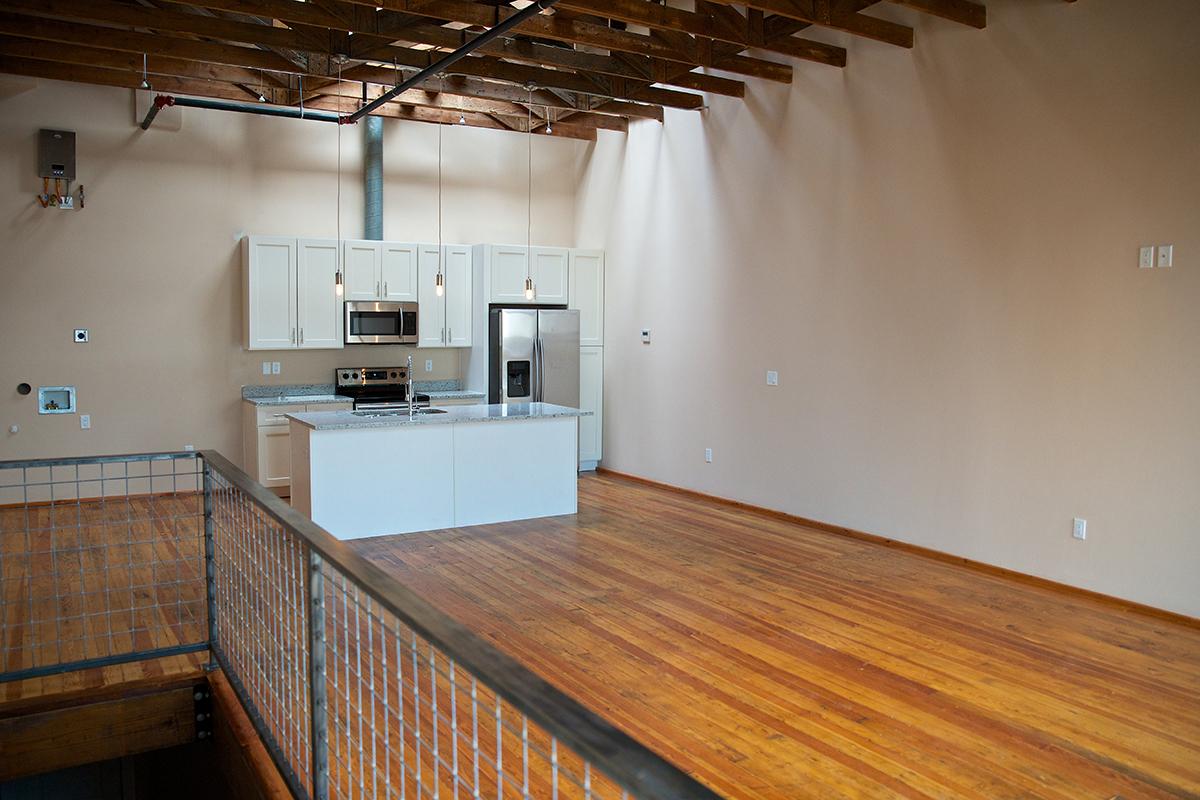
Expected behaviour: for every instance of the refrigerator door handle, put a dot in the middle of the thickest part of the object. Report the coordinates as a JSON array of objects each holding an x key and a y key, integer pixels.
[{"x": 537, "y": 370}]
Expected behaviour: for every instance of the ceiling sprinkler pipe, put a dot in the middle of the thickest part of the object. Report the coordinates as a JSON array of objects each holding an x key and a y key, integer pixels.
[{"x": 220, "y": 105}]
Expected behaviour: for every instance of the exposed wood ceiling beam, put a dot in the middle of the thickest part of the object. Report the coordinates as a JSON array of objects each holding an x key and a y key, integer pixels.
[{"x": 838, "y": 17}]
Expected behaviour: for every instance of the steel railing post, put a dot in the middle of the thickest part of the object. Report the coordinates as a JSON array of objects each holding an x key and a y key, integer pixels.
[
  {"x": 210, "y": 566},
  {"x": 319, "y": 735}
]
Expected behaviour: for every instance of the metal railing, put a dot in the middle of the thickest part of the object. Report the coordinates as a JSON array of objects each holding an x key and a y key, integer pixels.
[{"x": 358, "y": 687}]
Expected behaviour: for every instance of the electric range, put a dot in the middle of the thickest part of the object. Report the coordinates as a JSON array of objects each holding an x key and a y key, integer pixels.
[{"x": 376, "y": 388}]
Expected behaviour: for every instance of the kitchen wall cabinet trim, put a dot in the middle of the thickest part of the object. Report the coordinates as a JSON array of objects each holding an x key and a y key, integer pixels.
[
  {"x": 290, "y": 300},
  {"x": 445, "y": 321},
  {"x": 382, "y": 271}
]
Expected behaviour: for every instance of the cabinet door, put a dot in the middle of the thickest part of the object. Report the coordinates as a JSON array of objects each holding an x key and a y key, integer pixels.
[
  {"x": 586, "y": 282},
  {"x": 362, "y": 270},
  {"x": 591, "y": 398},
  {"x": 319, "y": 310},
  {"x": 509, "y": 267},
  {"x": 274, "y": 455},
  {"x": 431, "y": 311},
  {"x": 399, "y": 272},
  {"x": 549, "y": 271},
  {"x": 270, "y": 293},
  {"x": 459, "y": 291}
]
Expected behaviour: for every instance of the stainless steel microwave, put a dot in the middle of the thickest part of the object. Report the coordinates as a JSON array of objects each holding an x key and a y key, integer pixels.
[{"x": 369, "y": 322}]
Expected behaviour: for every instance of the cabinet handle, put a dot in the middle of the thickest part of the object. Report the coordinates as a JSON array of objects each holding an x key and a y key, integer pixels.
[
  {"x": 377, "y": 287},
  {"x": 449, "y": 335},
  {"x": 292, "y": 339},
  {"x": 385, "y": 288},
  {"x": 302, "y": 336}
]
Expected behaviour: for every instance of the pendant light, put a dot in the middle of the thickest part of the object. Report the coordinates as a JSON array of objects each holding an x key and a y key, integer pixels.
[
  {"x": 339, "y": 287},
  {"x": 529, "y": 201},
  {"x": 145, "y": 79},
  {"x": 439, "y": 280}
]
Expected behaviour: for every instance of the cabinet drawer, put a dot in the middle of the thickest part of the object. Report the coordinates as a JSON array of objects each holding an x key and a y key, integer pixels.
[
  {"x": 277, "y": 415},
  {"x": 329, "y": 406}
]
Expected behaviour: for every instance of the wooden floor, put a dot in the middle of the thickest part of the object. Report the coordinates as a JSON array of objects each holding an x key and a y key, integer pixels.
[{"x": 772, "y": 660}]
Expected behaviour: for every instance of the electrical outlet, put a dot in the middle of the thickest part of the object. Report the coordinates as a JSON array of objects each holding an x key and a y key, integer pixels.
[
  {"x": 1079, "y": 529},
  {"x": 645, "y": 335},
  {"x": 274, "y": 367},
  {"x": 266, "y": 368},
  {"x": 708, "y": 454},
  {"x": 81, "y": 335},
  {"x": 189, "y": 447},
  {"x": 429, "y": 365},
  {"x": 772, "y": 378},
  {"x": 85, "y": 421},
  {"x": 1166, "y": 254},
  {"x": 1146, "y": 258}
]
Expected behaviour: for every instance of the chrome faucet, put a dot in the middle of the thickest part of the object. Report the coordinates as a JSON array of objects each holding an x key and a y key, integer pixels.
[{"x": 411, "y": 395}]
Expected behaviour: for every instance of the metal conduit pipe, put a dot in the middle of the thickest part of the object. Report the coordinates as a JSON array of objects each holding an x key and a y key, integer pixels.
[
  {"x": 373, "y": 178},
  {"x": 164, "y": 100},
  {"x": 462, "y": 52}
]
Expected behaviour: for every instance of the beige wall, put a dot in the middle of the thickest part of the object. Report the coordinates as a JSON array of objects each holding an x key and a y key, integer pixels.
[
  {"x": 937, "y": 249},
  {"x": 152, "y": 265}
]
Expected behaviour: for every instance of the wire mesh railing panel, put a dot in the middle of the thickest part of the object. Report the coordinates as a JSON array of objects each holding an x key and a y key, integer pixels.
[
  {"x": 260, "y": 574},
  {"x": 406, "y": 721},
  {"x": 101, "y": 561}
]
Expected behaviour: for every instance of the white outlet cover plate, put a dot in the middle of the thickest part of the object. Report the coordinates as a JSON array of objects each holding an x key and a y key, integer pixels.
[
  {"x": 274, "y": 367},
  {"x": 85, "y": 421},
  {"x": 429, "y": 365},
  {"x": 1079, "y": 528},
  {"x": 81, "y": 334},
  {"x": 1146, "y": 258},
  {"x": 1166, "y": 255},
  {"x": 708, "y": 454},
  {"x": 646, "y": 335},
  {"x": 266, "y": 368},
  {"x": 772, "y": 378}
]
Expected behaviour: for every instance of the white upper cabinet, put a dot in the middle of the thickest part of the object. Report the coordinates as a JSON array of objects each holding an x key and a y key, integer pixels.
[
  {"x": 548, "y": 269},
  {"x": 398, "y": 272},
  {"x": 362, "y": 279},
  {"x": 586, "y": 281},
  {"x": 508, "y": 267},
  {"x": 319, "y": 310},
  {"x": 380, "y": 270},
  {"x": 459, "y": 295},
  {"x": 270, "y": 299},
  {"x": 431, "y": 315},
  {"x": 445, "y": 321}
]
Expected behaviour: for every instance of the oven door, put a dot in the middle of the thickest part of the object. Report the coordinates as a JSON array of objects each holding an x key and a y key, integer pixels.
[{"x": 381, "y": 323}]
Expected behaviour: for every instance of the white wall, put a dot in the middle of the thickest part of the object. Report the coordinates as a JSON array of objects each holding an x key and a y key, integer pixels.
[
  {"x": 152, "y": 267},
  {"x": 937, "y": 249}
]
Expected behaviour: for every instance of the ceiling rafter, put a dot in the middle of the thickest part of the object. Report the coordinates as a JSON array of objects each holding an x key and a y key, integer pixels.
[{"x": 584, "y": 64}]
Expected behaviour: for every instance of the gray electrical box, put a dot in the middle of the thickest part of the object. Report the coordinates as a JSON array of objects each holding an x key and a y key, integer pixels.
[{"x": 56, "y": 154}]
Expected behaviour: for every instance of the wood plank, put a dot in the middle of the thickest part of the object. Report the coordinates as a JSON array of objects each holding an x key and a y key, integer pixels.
[
  {"x": 239, "y": 753},
  {"x": 68, "y": 737},
  {"x": 773, "y": 660}
]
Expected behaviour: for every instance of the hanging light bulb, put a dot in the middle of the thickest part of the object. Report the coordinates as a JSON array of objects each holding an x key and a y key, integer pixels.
[
  {"x": 549, "y": 120},
  {"x": 529, "y": 288},
  {"x": 439, "y": 284},
  {"x": 462, "y": 118},
  {"x": 338, "y": 287},
  {"x": 145, "y": 84}
]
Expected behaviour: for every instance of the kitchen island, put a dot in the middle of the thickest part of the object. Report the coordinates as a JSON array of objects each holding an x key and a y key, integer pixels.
[{"x": 360, "y": 474}]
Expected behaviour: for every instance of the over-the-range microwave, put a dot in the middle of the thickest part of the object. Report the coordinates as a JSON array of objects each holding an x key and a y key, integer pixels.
[{"x": 370, "y": 322}]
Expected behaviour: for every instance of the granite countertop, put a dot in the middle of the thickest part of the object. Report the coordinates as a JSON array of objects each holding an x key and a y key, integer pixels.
[
  {"x": 316, "y": 393},
  {"x": 350, "y": 420}
]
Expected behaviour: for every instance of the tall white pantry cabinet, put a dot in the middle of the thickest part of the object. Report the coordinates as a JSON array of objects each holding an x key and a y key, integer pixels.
[{"x": 585, "y": 279}]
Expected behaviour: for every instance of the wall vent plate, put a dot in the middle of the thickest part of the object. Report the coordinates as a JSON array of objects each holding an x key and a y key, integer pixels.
[
  {"x": 56, "y": 399},
  {"x": 81, "y": 334}
]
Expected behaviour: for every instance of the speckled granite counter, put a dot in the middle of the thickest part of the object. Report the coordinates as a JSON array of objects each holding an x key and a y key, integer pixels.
[
  {"x": 318, "y": 393},
  {"x": 351, "y": 420}
]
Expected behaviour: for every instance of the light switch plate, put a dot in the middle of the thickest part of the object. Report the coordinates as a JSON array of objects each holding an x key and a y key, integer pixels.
[
  {"x": 85, "y": 421},
  {"x": 708, "y": 455},
  {"x": 1166, "y": 255},
  {"x": 772, "y": 378},
  {"x": 274, "y": 367},
  {"x": 646, "y": 335},
  {"x": 266, "y": 368},
  {"x": 1079, "y": 528},
  {"x": 1146, "y": 258}
]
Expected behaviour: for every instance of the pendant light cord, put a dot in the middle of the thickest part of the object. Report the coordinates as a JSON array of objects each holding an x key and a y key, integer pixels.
[
  {"x": 439, "y": 214},
  {"x": 529, "y": 161},
  {"x": 339, "y": 168}
]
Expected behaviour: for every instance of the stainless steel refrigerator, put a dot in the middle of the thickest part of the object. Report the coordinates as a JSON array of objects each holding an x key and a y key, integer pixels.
[{"x": 533, "y": 356}]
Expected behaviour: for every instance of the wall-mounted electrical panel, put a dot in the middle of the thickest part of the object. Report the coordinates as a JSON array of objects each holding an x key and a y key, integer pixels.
[{"x": 56, "y": 154}]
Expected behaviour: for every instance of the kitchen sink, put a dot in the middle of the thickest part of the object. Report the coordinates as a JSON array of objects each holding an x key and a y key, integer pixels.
[{"x": 417, "y": 412}]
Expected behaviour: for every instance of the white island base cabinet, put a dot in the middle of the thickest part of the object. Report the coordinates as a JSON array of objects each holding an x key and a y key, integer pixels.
[{"x": 361, "y": 482}]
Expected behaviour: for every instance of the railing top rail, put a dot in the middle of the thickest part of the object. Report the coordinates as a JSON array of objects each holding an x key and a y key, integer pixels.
[
  {"x": 621, "y": 757},
  {"x": 69, "y": 461}
]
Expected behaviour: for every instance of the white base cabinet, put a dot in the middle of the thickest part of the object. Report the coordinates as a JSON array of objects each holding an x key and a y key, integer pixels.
[{"x": 266, "y": 441}]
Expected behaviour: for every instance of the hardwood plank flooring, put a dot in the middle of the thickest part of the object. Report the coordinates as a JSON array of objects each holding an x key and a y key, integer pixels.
[{"x": 772, "y": 660}]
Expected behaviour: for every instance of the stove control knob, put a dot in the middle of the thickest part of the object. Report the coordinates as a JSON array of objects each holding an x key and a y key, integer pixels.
[
  {"x": 355, "y": 376},
  {"x": 345, "y": 376},
  {"x": 393, "y": 374}
]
